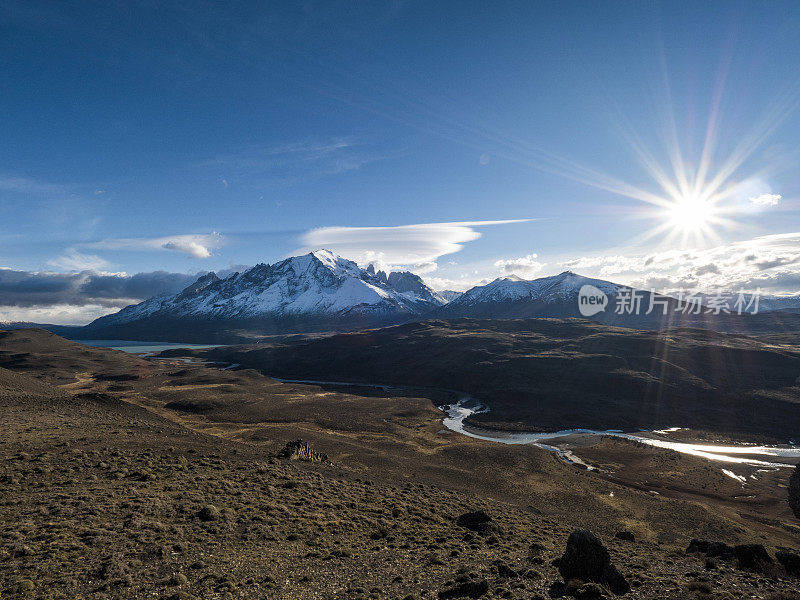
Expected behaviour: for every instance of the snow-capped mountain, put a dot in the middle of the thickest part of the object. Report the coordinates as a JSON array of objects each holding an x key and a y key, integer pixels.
[
  {"x": 558, "y": 297},
  {"x": 321, "y": 291},
  {"x": 766, "y": 302},
  {"x": 513, "y": 297},
  {"x": 449, "y": 295},
  {"x": 319, "y": 288}
]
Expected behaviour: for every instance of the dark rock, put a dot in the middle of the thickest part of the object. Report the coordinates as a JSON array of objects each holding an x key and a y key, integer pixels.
[
  {"x": 698, "y": 546},
  {"x": 572, "y": 586},
  {"x": 794, "y": 492},
  {"x": 467, "y": 589},
  {"x": 712, "y": 549},
  {"x": 719, "y": 549},
  {"x": 487, "y": 529},
  {"x": 625, "y": 536},
  {"x": 586, "y": 559},
  {"x": 505, "y": 571},
  {"x": 790, "y": 562},
  {"x": 472, "y": 520},
  {"x": 753, "y": 557},
  {"x": 479, "y": 522},
  {"x": 209, "y": 513},
  {"x": 300, "y": 450}
]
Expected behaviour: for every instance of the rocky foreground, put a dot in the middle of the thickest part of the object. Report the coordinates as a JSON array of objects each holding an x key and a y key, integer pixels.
[
  {"x": 105, "y": 500},
  {"x": 101, "y": 497}
]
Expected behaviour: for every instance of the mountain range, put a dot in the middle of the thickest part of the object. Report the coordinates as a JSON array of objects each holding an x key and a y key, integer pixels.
[{"x": 321, "y": 291}]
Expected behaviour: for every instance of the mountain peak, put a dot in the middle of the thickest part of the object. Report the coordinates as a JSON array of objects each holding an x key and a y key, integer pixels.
[
  {"x": 333, "y": 262},
  {"x": 410, "y": 284},
  {"x": 544, "y": 290},
  {"x": 326, "y": 255},
  {"x": 317, "y": 285},
  {"x": 199, "y": 285}
]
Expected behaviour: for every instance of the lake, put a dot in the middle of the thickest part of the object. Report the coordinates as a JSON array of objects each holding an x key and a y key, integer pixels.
[{"x": 139, "y": 347}]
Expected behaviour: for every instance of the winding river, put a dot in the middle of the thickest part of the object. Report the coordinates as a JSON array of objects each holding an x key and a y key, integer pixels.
[
  {"x": 766, "y": 457},
  {"x": 742, "y": 454},
  {"x": 769, "y": 457}
]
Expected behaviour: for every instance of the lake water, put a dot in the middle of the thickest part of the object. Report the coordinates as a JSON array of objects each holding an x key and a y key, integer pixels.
[{"x": 138, "y": 347}]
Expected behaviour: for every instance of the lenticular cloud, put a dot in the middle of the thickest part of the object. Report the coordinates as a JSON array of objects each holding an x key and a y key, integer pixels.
[{"x": 422, "y": 243}]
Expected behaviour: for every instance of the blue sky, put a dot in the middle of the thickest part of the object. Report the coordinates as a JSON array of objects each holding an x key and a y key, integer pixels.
[{"x": 186, "y": 137}]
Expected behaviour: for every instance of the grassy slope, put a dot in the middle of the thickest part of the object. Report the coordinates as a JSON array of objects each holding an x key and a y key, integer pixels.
[{"x": 554, "y": 374}]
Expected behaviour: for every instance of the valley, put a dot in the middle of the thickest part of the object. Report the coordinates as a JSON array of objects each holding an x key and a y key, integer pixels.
[
  {"x": 555, "y": 374},
  {"x": 127, "y": 453}
]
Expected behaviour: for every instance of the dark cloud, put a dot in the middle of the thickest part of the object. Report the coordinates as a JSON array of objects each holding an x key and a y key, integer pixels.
[
  {"x": 776, "y": 262},
  {"x": 782, "y": 281},
  {"x": 705, "y": 269},
  {"x": 28, "y": 288}
]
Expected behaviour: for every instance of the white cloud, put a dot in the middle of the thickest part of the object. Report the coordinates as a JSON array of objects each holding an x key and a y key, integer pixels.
[
  {"x": 456, "y": 285},
  {"x": 54, "y": 314},
  {"x": 194, "y": 245},
  {"x": 194, "y": 248},
  {"x": 607, "y": 265},
  {"x": 424, "y": 267},
  {"x": 770, "y": 262},
  {"x": 409, "y": 245},
  {"x": 524, "y": 266},
  {"x": 441, "y": 284},
  {"x": 765, "y": 200},
  {"x": 77, "y": 261}
]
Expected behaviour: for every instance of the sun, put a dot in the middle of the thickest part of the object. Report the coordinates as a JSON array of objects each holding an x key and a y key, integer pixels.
[{"x": 690, "y": 213}]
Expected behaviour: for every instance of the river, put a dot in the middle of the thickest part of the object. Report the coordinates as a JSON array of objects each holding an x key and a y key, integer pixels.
[
  {"x": 739, "y": 454},
  {"x": 772, "y": 457},
  {"x": 753, "y": 455}
]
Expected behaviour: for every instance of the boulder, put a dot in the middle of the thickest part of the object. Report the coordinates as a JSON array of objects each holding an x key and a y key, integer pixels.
[
  {"x": 698, "y": 546},
  {"x": 719, "y": 549},
  {"x": 506, "y": 572},
  {"x": 209, "y": 513},
  {"x": 300, "y": 450},
  {"x": 477, "y": 521},
  {"x": 625, "y": 536},
  {"x": 752, "y": 557},
  {"x": 790, "y": 562},
  {"x": 794, "y": 492},
  {"x": 471, "y": 520},
  {"x": 587, "y": 559},
  {"x": 711, "y": 549}
]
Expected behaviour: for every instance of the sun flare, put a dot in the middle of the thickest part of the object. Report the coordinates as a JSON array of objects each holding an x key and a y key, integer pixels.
[{"x": 691, "y": 213}]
